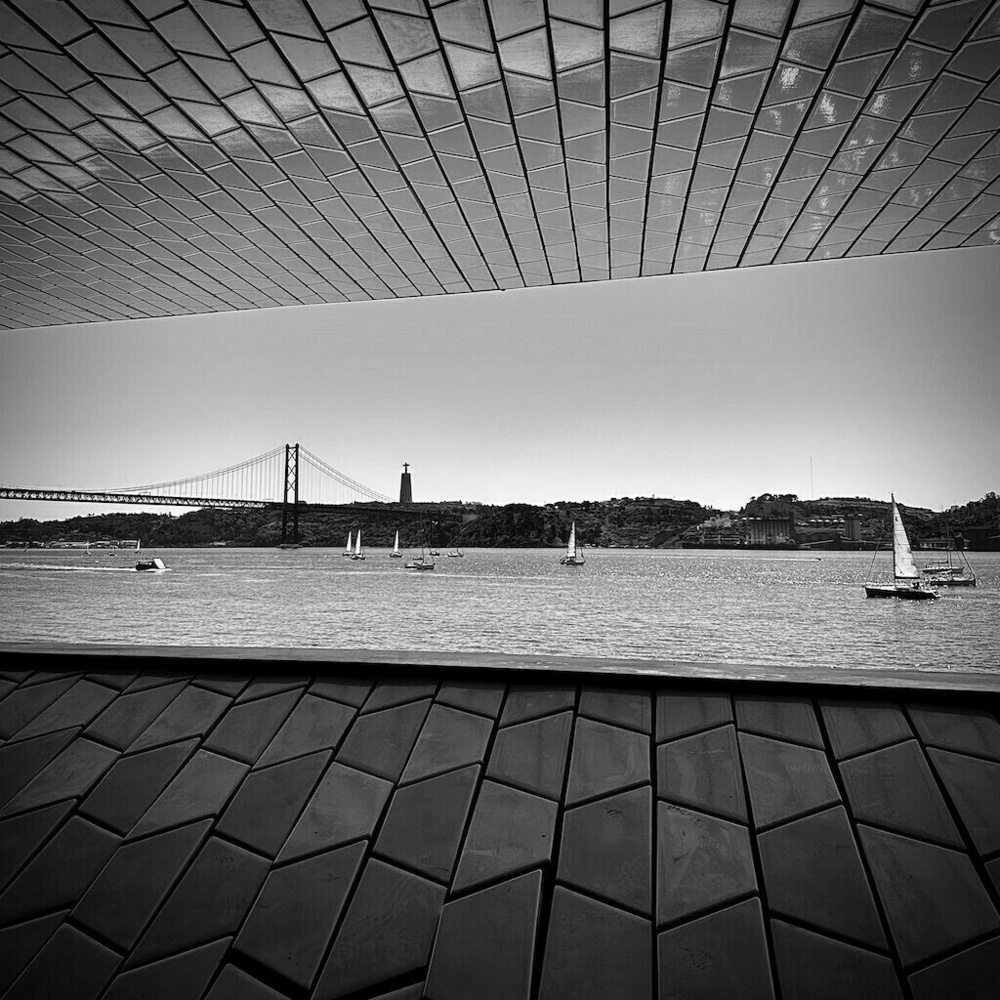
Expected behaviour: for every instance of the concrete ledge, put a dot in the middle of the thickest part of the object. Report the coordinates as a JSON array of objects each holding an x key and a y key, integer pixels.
[{"x": 810, "y": 674}]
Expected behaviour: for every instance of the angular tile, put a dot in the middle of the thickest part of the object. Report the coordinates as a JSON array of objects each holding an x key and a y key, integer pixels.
[
  {"x": 133, "y": 784},
  {"x": 20, "y": 762},
  {"x": 703, "y": 771},
  {"x": 135, "y": 881},
  {"x": 129, "y": 714},
  {"x": 69, "y": 776},
  {"x": 201, "y": 789},
  {"x": 605, "y": 759},
  {"x": 485, "y": 943},
  {"x": 532, "y": 755},
  {"x": 346, "y": 805},
  {"x": 21, "y": 836},
  {"x": 209, "y": 902},
  {"x": 25, "y": 704},
  {"x": 192, "y": 713},
  {"x": 723, "y": 954},
  {"x": 424, "y": 825},
  {"x": 786, "y": 717},
  {"x": 381, "y": 742},
  {"x": 857, "y": 725},
  {"x": 19, "y": 944},
  {"x": 974, "y": 787},
  {"x": 510, "y": 831},
  {"x": 269, "y": 801},
  {"x": 118, "y": 679},
  {"x": 594, "y": 950},
  {"x": 628, "y": 707},
  {"x": 350, "y": 690},
  {"x": 235, "y": 984},
  {"x": 785, "y": 780},
  {"x": 606, "y": 848},
  {"x": 894, "y": 787},
  {"x": 531, "y": 701},
  {"x": 154, "y": 679},
  {"x": 292, "y": 921},
  {"x": 814, "y": 966},
  {"x": 389, "y": 693},
  {"x": 60, "y": 873},
  {"x": 246, "y": 729},
  {"x": 993, "y": 871},
  {"x": 481, "y": 697},
  {"x": 92, "y": 964},
  {"x": 449, "y": 738},
  {"x": 76, "y": 707},
  {"x": 701, "y": 862},
  {"x": 962, "y": 728},
  {"x": 222, "y": 683},
  {"x": 262, "y": 687},
  {"x": 183, "y": 975},
  {"x": 813, "y": 873},
  {"x": 388, "y": 931},
  {"x": 932, "y": 896},
  {"x": 315, "y": 724},
  {"x": 681, "y": 712},
  {"x": 971, "y": 975}
]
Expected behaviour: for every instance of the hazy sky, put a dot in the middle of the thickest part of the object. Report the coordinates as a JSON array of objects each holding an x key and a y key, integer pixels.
[{"x": 883, "y": 372}]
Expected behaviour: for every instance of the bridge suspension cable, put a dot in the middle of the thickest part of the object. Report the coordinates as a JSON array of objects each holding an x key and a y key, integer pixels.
[{"x": 330, "y": 472}]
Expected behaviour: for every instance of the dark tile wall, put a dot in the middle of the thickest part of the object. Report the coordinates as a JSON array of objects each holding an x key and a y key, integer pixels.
[{"x": 187, "y": 834}]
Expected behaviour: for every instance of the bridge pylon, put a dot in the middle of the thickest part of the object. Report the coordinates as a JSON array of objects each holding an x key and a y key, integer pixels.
[{"x": 290, "y": 540}]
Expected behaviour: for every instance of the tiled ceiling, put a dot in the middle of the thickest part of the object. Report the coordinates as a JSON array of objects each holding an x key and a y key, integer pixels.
[{"x": 162, "y": 158}]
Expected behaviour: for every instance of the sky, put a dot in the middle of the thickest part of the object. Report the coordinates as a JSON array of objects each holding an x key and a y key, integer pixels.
[{"x": 858, "y": 377}]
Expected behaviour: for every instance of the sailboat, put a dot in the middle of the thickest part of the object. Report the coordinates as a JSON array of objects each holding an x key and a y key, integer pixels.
[
  {"x": 948, "y": 574},
  {"x": 147, "y": 564},
  {"x": 358, "y": 551},
  {"x": 574, "y": 552},
  {"x": 348, "y": 549},
  {"x": 423, "y": 561},
  {"x": 907, "y": 583},
  {"x": 457, "y": 554},
  {"x": 395, "y": 553}
]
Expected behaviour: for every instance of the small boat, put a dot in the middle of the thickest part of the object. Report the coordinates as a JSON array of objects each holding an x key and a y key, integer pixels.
[
  {"x": 349, "y": 548},
  {"x": 145, "y": 565},
  {"x": 358, "y": 553},
  {"x": 395, "y": 553},
  {"x": 948, "y": 574},
  {"x": 421, "y": 562},
  {"x": 906, "y": 577},
  {"x": 457, "y": 554},
  {"x": 574, "y": 552}
]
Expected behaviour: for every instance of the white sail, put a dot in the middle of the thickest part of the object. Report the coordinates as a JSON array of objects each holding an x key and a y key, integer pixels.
[
  {"x": 571, "y": 546},
  {"x": 395, "y": 547},
  {"x": 357, "y": 544},
  {"x": 348, "y": 547},
  {"x": 903, "y": 566}
]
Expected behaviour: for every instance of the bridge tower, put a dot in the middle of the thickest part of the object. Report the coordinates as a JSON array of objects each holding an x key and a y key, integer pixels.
[
  {"x": 405, "y": 492},
  {"x": 291, "y": 486}
]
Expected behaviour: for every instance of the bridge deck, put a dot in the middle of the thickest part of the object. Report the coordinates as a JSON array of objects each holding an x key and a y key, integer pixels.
[{"x": 221, "y": 827}]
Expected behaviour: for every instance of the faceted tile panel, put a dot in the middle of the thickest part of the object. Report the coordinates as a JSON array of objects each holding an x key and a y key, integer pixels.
[
  {"x": 856, "y": 726},
  {"x": 485, "y": 943},
  {"x": 701, "y": 862},
  {"x": 894, "y": 787},
  {"x": 246, "y": 729},
  {"x": 703, "y": 771},
  {"x": 932, "y": 897},
  {"x": 974, "y": 786},
  {"x": 958, "y": 728},
  {"x": 813, "y": 873},
  {"x": 678, "y": 714},
  {"x": 315, "y": 724},
  {"x": 971, "y": 973},
  {"x": 820, "y": 967},
  {"x": 381, "y": 742},
  {"x": 450, "y": 738},
  {"x": 92, "y": 963},
  {"x": 785, "y": 780},
  {"x": 593, "y": 949},
  {"x": 20, "y": 762},
  {"x": 722, "y": 954},
  {"x": 510, "y": 831},
  {"x": 532, "y": 755},
  {"x": 606, "y": 848},
  {"x": 201, "y": 158},
  {"x": 185, "y": 974},
  {"x": 784, "y": 717},
  {"x": 21, "y": 835},
  {"x": 605, "y": 758}
]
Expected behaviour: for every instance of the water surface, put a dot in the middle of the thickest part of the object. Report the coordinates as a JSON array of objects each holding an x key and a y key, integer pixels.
[{"x": 723, "y": 606}]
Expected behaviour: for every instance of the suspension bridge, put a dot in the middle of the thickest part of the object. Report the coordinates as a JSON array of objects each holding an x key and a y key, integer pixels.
[{"x": 288, "y": 477}]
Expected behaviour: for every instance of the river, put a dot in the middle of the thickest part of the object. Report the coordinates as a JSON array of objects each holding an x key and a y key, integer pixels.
[{"x": 728, "y": 607}]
